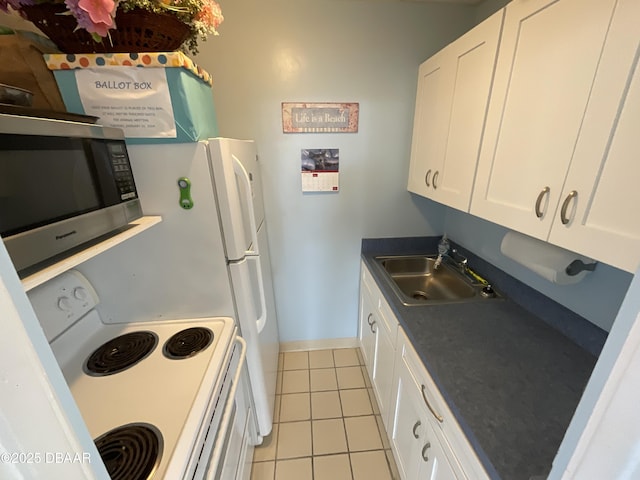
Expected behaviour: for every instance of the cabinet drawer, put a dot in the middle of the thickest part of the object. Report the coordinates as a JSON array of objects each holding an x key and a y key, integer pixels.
[
  {"x": 440, "y": 414},
  {"x": 430, "y": 393}
]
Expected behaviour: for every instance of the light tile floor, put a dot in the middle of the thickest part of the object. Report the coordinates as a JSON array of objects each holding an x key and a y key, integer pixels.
[{"x": 327, "y": 424}]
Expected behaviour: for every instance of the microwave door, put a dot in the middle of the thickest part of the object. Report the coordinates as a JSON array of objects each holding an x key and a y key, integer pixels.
[{"x": 60, "y": 191}]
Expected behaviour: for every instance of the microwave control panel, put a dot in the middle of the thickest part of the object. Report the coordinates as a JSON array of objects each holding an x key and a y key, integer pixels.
[{"x": 122, "y": 171}]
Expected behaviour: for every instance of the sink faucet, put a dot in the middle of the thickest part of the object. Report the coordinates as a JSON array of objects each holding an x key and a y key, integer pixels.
[
  {"x": 445, "y": 251},
  {"x": 459, "y": 260}
]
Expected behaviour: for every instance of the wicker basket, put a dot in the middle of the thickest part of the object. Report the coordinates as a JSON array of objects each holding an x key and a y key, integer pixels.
[{"x": 137, "y": 31}]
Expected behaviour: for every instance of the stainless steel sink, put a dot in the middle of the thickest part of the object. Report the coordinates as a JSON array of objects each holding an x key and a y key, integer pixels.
[{"x": 416, "y": 282}]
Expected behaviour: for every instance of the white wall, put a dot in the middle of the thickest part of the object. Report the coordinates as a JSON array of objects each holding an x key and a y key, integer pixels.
[{"x": 340, "y": 51}]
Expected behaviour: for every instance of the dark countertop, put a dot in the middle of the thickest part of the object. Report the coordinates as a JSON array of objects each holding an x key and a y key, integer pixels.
[{"x": 512, "y": 370}]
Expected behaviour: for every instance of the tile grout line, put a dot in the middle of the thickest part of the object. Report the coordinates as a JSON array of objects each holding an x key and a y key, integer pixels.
[
  {"x": 313, "y": 473},
  {"x": 343, "y": 418},
  {"x": 344, "y": 424}
]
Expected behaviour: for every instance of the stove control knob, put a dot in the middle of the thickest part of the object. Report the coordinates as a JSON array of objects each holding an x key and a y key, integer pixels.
[
  {"x": 80, "y": 293},
  {"x": 64, "y": 304}
]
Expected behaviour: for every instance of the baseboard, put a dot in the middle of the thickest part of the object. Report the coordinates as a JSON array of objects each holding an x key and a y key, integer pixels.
[{"x": 324, "y": 344}]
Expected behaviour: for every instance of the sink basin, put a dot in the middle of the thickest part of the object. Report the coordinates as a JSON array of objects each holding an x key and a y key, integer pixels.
[{"x": 416, "y": 282}]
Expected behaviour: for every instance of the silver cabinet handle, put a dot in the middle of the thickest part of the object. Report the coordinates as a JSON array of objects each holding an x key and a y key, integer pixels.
[
  {"x": 565, "y": 205},
  {"x": 545, "y": 191},
  {"x": 435, "y": 177},
  {"x": 426, "y": 177},
  {"x": 435, "y": 414},
  {"x": 426, "y": 447},
  {"x": 415, "y": 427}
]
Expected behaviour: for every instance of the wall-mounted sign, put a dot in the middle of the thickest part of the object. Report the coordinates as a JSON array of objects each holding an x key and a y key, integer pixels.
[
  {"x": 320, "y": 117},
  {"x": 320, "y": 168}
]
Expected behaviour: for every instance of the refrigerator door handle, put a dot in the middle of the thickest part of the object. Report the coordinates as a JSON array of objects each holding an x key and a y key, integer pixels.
[
  {"x": 262, "y": 319},
  {"x": 241, "y": 172}
]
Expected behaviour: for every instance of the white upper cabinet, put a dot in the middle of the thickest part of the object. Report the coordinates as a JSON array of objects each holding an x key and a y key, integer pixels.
[
  {"x": 555, "y": 159},
  {"x": 597, "y": 215},
  {"x": 548, "y": 58},
  {"x": 451, "y": 104}
]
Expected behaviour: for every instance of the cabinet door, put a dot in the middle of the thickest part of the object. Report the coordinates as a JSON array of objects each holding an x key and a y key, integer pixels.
[
  {"x": 409, "y": 425},
  {"x": 549, "y": 53},
  {"x": 433, "y": 460},
  {"x": 471, "y": 58},
  {"x": 433, "y": 99},
  {"x": 597, "y": 215},
  {"x": 420, "y": 452},
  {"x": 367, "y": 329},
  {"x": 383, "y": 370},
  {"x": 451, "y": 103}
]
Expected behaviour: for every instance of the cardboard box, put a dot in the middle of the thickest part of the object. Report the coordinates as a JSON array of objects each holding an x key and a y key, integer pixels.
[
  {"x": 22, "y": 65},
  {"x": 153, "y": 97}
]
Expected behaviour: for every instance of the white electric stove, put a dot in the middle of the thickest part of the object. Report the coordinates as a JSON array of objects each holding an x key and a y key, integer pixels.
[{"x": 158, "y": 398}]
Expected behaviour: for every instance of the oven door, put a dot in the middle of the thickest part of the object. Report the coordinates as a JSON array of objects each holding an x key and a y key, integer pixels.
[
  {"x": 241, "y": 436},
  {"x": 227, "y": 446}
]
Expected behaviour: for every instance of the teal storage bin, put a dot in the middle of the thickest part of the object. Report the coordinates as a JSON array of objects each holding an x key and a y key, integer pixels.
[{"x": 189, "y": 88}]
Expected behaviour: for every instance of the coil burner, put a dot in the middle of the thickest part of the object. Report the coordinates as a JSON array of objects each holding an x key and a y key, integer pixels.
[
  {"x": 187, "y": 343},
  {"x": 131, "y": 452},
  {"x": 120, "y": 353}
]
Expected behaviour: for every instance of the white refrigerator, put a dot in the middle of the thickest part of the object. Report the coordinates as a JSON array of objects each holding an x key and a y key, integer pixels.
[{"x": 209, "y": 256}]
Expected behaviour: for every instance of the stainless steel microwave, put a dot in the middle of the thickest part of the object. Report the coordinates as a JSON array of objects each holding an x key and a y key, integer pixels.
[{"x": 62, "y": 184}]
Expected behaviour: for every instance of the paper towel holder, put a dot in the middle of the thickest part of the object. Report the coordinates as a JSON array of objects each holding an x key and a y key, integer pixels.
[{"x": 577, "y": 266}]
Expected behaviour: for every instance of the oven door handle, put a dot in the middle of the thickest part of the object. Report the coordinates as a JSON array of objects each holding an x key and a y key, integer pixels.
[{"x": 228, "y": 410}]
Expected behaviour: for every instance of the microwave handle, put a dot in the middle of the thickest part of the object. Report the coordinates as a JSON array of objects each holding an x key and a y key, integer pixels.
[{"x": 242, "y": 174}]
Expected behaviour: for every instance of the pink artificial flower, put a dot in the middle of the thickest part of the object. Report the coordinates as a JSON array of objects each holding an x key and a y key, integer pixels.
[
  {"x": 100, "y": 11},
  {"x": 95, "y": 16}
]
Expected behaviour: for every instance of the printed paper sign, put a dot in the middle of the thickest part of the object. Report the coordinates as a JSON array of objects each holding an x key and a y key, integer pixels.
[{"x": 136, "y": 100}]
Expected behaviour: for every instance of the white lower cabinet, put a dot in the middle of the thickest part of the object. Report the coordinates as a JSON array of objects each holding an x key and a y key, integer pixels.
[
  {"x": 366, "y": 329},
  {"x": 420, "y": 453},
  {"x": 427, "y": 442},
  {"x": 444, "y": 451},
  {"x": 433, "y": 463},
  {"x": 377, "y": 333},
  {"x": 385, "y": 355}
]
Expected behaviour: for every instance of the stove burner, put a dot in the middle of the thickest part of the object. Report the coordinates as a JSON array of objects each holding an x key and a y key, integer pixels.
[
  {"x": 187, "y": 343},
  {"x": 121, "y": 353},
  {"x": 131, "y": 452}
]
